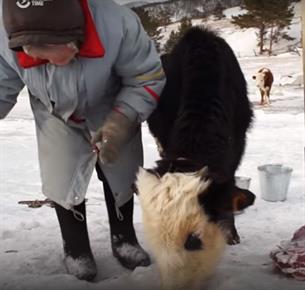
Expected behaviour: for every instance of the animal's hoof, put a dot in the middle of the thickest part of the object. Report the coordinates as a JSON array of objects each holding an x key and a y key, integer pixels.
[{"x": 233, "y": 239}]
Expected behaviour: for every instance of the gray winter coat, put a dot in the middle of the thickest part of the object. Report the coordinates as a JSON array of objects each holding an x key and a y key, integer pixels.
[{"x": 129, "y": 76}]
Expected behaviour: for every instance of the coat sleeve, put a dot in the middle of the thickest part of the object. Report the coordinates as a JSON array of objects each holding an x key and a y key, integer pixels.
[
  {"x": 140, "y": 69},
  {"x": 10, "y": 87}
]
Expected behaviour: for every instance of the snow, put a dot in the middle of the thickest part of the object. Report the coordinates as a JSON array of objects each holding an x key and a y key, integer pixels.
[
  {"x": 244, "y": 41},
  {"x": 31, "y": 248},
  {"x": 234, "y": 11}
]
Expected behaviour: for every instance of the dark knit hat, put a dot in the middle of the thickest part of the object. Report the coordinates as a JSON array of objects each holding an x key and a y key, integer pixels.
[{"x": 36, "y": 22}]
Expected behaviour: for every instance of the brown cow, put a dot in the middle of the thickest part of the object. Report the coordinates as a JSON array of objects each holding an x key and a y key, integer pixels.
[{"x": 264, "y": 80}]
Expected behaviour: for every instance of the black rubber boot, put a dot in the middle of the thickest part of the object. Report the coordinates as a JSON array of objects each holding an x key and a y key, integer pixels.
[
  {"x": 124, "y": 243},
  {"x": 78, "y": 260}
]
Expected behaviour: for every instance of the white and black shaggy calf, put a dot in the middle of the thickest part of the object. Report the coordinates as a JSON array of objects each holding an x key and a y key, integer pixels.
[
  {"x": 264, "y": 81},
  {"x": 200, "y": 122}
]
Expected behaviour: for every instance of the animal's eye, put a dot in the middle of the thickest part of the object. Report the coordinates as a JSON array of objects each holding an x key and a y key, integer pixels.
[{"x": 193, "y": 243}]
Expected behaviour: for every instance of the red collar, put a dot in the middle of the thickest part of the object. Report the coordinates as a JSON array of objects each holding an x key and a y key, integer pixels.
[{"x": 91, "y": 47}]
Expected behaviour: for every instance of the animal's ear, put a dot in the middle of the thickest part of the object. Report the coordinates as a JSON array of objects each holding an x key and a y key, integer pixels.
[
  {"x": 205, "y": 179},
  {"x": 242, "y": 198},
  {"x": 146, "y": 180},
  {"x": 203, "y": 173}
]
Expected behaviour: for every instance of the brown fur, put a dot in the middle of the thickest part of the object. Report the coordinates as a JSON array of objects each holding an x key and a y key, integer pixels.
[{"x": 264, "y": 81}]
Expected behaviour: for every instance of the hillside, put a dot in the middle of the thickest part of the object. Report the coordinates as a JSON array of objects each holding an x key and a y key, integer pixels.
[
  {"x": 243, "y": 41},
  {"x": 135, "y": 3},
  {"x": 178, "y": 9}
]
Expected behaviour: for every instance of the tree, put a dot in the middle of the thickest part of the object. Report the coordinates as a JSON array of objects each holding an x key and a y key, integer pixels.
[
  {"x": 218, "y": 11},
  {"x": 185, "y": 24},
  {"x": 152, "y": 24},
  {"x": 278, "y": 21},
  {"x": 267, "y": 16}
]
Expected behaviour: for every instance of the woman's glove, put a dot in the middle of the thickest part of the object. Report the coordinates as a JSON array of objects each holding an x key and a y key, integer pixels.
[{"x": 116, "y": 131}]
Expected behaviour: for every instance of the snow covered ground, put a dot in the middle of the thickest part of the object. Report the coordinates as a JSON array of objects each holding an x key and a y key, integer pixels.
[
  {"x": 30, "y": 241},
  {"x": 31, "y": 249}
]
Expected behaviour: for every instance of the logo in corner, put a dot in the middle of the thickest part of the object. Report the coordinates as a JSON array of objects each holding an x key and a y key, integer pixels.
[{"x": 23, "y": 3}]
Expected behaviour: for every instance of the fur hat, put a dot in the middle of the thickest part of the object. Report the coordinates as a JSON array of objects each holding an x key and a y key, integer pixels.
[{"x": 39, "y": 22}]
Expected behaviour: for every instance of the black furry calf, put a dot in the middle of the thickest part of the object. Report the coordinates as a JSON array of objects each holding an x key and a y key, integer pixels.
[{"x": 202, "y": 119}]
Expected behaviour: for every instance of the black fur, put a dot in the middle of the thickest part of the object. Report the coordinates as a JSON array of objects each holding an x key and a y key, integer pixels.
[{"x": 203, "y": 115}]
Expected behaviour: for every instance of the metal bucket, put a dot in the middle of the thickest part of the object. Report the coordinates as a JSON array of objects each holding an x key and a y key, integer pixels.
[
  {"x": 242, "y": 182},
  {"x": 274, "y": 181}
]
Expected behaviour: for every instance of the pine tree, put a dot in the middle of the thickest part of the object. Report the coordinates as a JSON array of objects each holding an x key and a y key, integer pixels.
[
  {"x": 152, "y": 24},
  {"x": 170, "y": 43},
  {"x": 218, "y": 11},
  {"x": 185, "y": 24},
  {"x": 271, "y": 15},
  {"x": 280, "y": 19}
]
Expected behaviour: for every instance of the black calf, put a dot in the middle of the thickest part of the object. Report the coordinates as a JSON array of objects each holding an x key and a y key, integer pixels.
[{"x": 202, "y": 119}]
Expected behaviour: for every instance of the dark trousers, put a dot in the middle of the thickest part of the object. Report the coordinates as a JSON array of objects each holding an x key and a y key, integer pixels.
[{"x": 117, "y": 226}]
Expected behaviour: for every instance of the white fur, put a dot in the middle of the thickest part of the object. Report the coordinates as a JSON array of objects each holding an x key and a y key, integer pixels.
[
  {"x": 171, "y": 212},
  {"x": 260, "y": 79}
]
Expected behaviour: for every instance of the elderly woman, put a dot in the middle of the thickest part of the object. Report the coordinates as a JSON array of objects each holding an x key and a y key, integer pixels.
[{"x": 93, "y": 76}]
